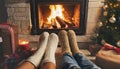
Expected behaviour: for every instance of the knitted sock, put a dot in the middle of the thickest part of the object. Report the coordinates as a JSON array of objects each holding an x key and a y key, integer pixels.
[
  {"x": 36, "y": 58},
  {"x": 50, "y": 49},
  {"x": 63, "y": 37},
  {"x": 73, "y": 42}
]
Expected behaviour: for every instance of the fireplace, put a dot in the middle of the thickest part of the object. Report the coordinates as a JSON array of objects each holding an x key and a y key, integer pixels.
[{"x": 56, "y": 15}]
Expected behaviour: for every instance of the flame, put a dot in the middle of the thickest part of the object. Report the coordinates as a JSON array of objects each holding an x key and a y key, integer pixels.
[
  {"x": 22, "y": 42},
  {"x": 56, "y": 10},
  {"x": 60, "y": 17}
]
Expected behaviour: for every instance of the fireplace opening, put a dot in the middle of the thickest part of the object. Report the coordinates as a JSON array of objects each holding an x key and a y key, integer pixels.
[{"x": 53, "y": 16}]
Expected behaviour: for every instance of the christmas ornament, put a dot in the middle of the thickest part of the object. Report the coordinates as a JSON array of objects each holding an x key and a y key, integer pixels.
[
  {"x": 116, "y": 5},
  {"x": 118, "y": 43},
  {"x": 105, "y": 13},
  {"x": 100, "y": 24},
  {"x": 111, "y": 4},
  {"x": 105, "y": 6},
  {"x": 116, "y": 28},
  {"x": 103, "y": 42},
  {"x": 112, "y": 19}
]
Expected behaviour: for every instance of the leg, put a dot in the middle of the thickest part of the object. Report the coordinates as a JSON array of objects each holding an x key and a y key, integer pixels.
[
  {"x": 68, "y": 62},
  {"x": 34, "y": 60},
  {"x": 73, "y": 42},
  {"x": 26, "y": 65},
  {"x": 64, "y": 41},
  {"x": 83, "y": 62},
  {"x": 49, "y": 58},
  {"x": 48, "y": 65}
]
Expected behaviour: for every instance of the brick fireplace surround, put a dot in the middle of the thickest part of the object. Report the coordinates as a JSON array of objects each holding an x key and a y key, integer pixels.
[{"x": 19, "y": 14}]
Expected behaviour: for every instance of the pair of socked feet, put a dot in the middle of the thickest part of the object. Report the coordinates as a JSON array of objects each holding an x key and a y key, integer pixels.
[
  {"x": 68, "y": 42},
  {"x": 46, "y": 51},
  {"x": 48, "y": 44}
]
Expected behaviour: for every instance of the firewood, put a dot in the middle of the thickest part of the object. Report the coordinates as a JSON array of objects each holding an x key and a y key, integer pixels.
[
  {"x": 47, "y": 26},
  {"x": 63, "y": 23},
  {"x": 70, "y": 24},
  {"x": 60, "y": 21}
]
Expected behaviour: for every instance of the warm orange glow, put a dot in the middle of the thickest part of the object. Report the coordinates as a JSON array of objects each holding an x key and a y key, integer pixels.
[
  {"x": 23, "y": 42},
  {"x": 59, "y": 17},
  {"x": 56, "y": 10}
]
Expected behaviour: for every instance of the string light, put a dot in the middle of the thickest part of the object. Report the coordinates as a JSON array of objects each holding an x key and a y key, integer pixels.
[
  {"x": 116, "y": 28},
  {"x": 105, "y": 13},
  {"x": 106, "y": 21},
  {"x": 116, "y": 5},
  {"x": 100, "y": 24},
  {"x": 107, "y": 26},
  {"x": 110, "y": 4},
  {"x": 105, "y": 6}
]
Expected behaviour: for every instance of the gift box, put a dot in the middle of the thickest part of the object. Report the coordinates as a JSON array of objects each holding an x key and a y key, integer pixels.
[{"x": 108, "y": 57}]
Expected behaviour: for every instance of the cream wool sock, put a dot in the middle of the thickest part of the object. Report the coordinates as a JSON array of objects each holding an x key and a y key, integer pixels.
[
  {"x": 73, "y": 42},
  {"x": 63, "y": 37},
  {"x": 50, "y": 49},
  {"x": 36, "y": 58}
]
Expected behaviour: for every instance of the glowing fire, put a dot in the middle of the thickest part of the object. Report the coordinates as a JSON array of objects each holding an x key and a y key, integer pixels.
[
  {"x": 23, "y": 42},
  {"x": 56, "y": 10},
  {"x": 60, "y": 17}
]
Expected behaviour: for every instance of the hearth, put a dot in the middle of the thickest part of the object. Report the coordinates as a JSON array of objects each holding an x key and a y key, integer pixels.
[{"x": 56, "y": 15}]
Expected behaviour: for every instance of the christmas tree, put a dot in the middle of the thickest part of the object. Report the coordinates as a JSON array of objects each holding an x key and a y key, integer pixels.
[{"x": 109, "y": 23}]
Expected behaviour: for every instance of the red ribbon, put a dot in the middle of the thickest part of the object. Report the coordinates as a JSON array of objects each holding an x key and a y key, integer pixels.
[{"x": 109, "y": 47}]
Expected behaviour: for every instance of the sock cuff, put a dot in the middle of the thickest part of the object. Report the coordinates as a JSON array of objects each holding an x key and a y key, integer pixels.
[{"x": 33, "y": 61}]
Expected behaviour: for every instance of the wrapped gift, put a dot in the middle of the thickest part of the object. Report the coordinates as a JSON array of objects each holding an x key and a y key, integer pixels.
[{"x": 108, "y": 57}]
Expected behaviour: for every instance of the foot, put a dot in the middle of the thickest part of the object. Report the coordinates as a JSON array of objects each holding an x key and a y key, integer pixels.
[
  {"x": 73, "y": 42},
  {"x": 51, "y": 49},
  {"x": 37, "y": 56},
  {"x": 64, "y": 42}
]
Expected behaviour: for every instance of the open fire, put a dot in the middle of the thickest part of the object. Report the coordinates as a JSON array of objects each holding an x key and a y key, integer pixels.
[
  {"x": 55, "y": 15},
  {"x": 59, "y": 17}
]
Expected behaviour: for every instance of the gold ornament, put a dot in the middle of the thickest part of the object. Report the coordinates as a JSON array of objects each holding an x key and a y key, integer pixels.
[
  {"x": 103, "y": 42},
  {"x": 118, "y": 43},
  {"x": 111, "y": 4},
  {"x": 100, "y": 24},
  {"x": 112, "y": 19},
  {"x": 97, "y": 34},
  {"x": 107, "y": 27},
  {"x": 116, "y": 28},
  {"x": 116, "y": 5},
  {"x": 105, "y": 6},
  {"x": 105, "y": 13}
]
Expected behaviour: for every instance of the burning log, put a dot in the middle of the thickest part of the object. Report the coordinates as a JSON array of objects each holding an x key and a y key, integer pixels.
[
  {"x": 70, "y": 24},
  {"x": 47, "y": 26},
  {"x": 60, "y": 21},
  {"x": 63, "y": 23}
]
